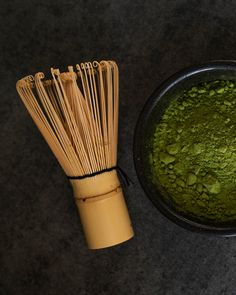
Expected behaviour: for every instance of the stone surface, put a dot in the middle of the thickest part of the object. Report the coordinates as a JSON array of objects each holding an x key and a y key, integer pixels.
[{"x": 42, "y": 249}]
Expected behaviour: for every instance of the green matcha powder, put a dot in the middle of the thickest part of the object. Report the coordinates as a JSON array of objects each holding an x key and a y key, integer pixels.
[{"x": 193, "y": 155}]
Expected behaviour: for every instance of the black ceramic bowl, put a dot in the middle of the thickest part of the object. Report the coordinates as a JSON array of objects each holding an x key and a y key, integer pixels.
[{"x": 152, "y": 113}]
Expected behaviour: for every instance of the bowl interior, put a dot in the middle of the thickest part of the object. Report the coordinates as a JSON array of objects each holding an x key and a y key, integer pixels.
[{"x": 151, "y": 115}]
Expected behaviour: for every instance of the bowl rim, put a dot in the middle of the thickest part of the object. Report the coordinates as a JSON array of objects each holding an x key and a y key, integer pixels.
[{"x": 149, "y": 105}]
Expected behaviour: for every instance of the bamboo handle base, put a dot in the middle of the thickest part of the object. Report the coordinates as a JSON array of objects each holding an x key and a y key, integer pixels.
[{"x": 103, "y": 211}]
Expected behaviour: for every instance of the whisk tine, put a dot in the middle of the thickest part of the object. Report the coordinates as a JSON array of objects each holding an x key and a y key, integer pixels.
[
  {"x": 116, "y": 106},
  {"x": 103, "y": 113}
]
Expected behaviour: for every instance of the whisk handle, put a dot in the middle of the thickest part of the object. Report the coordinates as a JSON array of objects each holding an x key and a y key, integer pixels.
[{"x": 103, "y": 211}]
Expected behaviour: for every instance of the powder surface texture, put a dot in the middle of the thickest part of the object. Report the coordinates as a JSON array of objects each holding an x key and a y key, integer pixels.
[{"x": 193, "y": 155}]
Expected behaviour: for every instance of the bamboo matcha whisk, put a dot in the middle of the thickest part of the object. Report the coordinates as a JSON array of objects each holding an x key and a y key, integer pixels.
[{"x": 77, "y": 114}]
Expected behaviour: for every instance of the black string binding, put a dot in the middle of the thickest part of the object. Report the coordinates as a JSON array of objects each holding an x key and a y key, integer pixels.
[{"x": 122, "y": 175}]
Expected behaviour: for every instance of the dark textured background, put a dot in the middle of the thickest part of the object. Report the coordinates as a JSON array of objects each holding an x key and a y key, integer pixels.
[{"x": 42, "y": 249}]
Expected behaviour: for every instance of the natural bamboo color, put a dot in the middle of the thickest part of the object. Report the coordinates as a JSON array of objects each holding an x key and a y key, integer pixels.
[{"x": 77, "y": 114}]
